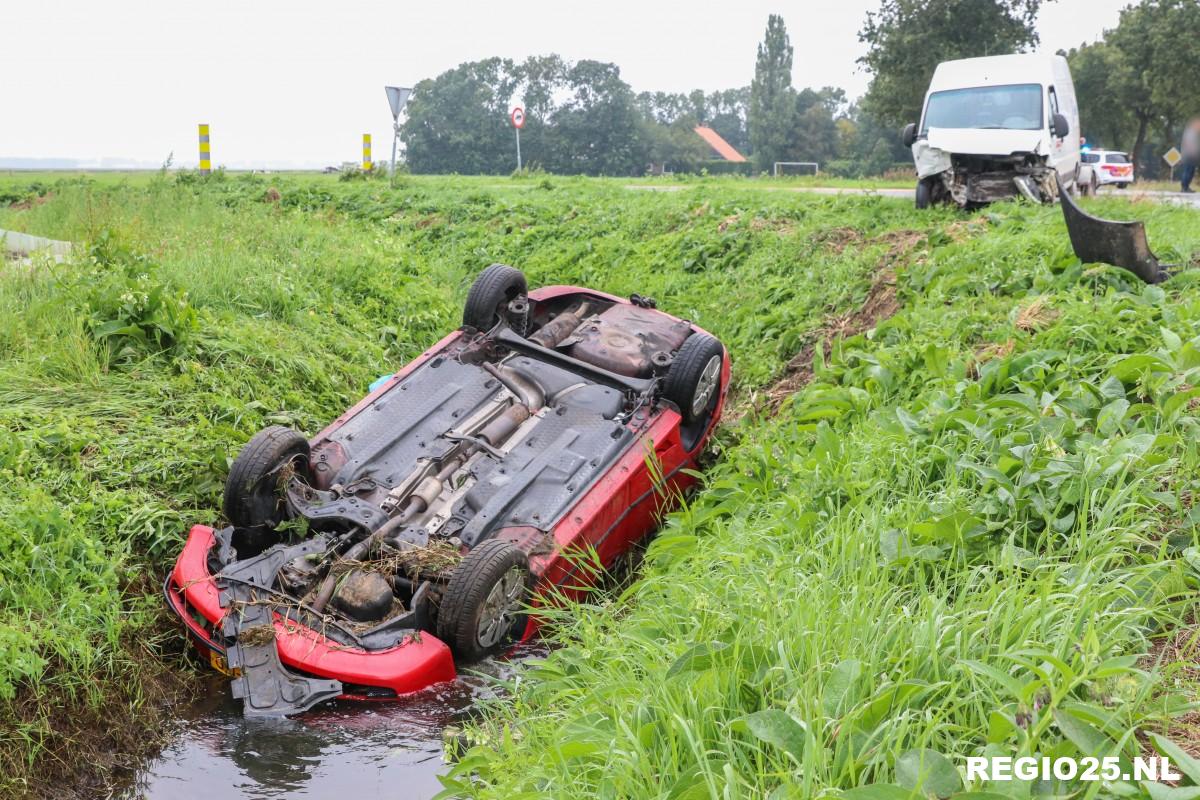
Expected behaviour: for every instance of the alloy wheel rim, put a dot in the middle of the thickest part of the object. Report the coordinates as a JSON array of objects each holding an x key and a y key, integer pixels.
[
  {"x": 706, "y": 385},
  {"x": 501, "y": 608}
]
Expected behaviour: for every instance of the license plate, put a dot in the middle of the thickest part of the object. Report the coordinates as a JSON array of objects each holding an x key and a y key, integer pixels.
[{"x": 219, "y": 663}]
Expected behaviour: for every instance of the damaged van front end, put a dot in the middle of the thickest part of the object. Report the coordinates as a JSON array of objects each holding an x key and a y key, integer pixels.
[
  {"x": 996, "y": 128},
  {"x": 967, "y": 169}
]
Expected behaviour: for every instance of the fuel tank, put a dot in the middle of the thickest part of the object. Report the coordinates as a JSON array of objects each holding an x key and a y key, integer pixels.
[{"x": 625, "y": 338}]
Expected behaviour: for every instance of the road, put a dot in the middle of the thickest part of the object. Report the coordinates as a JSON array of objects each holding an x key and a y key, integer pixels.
[{"x": 1164, "y": 197}]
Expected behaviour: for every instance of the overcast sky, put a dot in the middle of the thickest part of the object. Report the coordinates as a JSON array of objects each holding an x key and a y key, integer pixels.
[{"x": 298, "y": 83}]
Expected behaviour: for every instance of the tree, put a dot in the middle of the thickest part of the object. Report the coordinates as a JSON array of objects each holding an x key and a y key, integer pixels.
[
  {"x": 596, "y": 131},
  {"x": 724, "y": 111},
  {"x": 814, "y": 134},
  {"x": 772, "y": 116},
  {"x": 907, "y": 39},
  {"x": 674, "y": 146},
  {"x": 457, "y": 122},
  {"x": 539, "y": 78},
  {"x": 1157, "y": 46},
  {"x": 728, "y": 113},
  {"x": 865, "y": 146},
  {"x": 1105, "y": 118},
  {"x": 665, "y": 107}
]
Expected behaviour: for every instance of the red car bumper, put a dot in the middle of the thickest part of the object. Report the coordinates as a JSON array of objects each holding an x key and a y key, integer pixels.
[{"x": 409, "y": 667}]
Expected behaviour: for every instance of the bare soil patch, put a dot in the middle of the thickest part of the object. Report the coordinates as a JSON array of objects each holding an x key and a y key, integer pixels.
[
  {"x": 880, "y": 304},
  {"x": 36, "y": 200},
  {"x": 1178, "y": 652}
]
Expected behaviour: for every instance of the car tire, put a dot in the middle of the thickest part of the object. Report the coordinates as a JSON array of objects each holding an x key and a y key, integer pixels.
[
  {"x": 490, "y": 295},
  {"x": 483, "y": 606},
  {"x": 252, "y": 497},
  {"x": 924, "y": 197},
  {"x": 1122, "y": 185},
  {"x": 693, "y": 381}
]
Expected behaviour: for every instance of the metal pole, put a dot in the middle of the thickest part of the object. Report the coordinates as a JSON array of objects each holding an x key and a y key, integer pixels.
[
  {"x": 518, "y": 130},
  {"x": 205, "y": 150},
  {"x": 395, "y": 136}
]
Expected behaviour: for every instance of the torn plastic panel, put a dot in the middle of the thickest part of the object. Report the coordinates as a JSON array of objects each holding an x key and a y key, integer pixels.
[{"x": 1121, "y": 244}]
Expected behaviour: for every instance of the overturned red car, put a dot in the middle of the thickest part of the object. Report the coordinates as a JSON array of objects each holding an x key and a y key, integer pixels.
[{"x": 424, "y": 523}]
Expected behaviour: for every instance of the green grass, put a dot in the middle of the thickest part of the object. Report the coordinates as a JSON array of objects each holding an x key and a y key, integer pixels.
[
  {"x": 961, "y": 537},
  {"x": 935, "y": 499}
]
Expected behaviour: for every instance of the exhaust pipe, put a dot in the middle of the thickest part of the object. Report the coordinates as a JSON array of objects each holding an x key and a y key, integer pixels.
[
  {"x": 530, "y": 399},
  {"x": 556, "y": 330}
]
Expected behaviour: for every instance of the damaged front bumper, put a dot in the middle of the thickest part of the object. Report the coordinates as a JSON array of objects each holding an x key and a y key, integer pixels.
[
  {"x": 976, "y": 180},
  {"x": 288, "y": 666}
]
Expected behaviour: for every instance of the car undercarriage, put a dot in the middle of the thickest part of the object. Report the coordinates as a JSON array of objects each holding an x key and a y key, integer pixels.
[{"x": 420, "y": 508}]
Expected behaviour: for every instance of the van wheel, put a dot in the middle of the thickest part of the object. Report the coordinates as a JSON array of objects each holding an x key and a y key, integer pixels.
[{"x": 924, "y": 194}]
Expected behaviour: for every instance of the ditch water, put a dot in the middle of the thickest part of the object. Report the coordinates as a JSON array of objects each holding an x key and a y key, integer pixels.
[{"x": 343, "y": 749}]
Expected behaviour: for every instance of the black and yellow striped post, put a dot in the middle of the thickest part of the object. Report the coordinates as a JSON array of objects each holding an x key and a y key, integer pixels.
[
  {"x": 366, "y": 152},
  {"x": 205, "y": 150}
]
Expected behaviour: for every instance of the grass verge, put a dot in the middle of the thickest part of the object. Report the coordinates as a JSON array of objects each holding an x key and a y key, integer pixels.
[
  {"x": 198, "y": 311},
  {"x": 956, "y": 523},
  {"x": 970, "y": 530}
]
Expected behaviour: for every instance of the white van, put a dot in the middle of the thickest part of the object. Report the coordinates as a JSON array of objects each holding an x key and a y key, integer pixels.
[{"x": 994, "y": 128}]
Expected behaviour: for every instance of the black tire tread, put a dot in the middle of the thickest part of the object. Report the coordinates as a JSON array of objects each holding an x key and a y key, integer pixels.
[
  {"x": 262, "y": 454},
  {"x": 485, "y": 294},
  {"x": 679, "y": 385},
  {"x": 927, "y": 200},
  {"x": 468, "y": 587}
]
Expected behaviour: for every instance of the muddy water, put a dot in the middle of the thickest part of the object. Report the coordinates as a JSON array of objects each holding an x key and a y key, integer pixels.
[{"x": 348, "y": 750}]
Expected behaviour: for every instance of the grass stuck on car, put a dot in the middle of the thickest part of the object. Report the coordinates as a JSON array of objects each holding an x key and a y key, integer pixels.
[{"x": 423, "y": 525}]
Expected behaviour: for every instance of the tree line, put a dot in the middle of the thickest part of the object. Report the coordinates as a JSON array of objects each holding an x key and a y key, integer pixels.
[
  {"x": 1140, "y": 85},
  {"x": 1136, "y": 85}
]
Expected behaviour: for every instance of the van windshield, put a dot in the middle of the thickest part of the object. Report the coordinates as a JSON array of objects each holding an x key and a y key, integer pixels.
[{"x": 1016, "y": 107}]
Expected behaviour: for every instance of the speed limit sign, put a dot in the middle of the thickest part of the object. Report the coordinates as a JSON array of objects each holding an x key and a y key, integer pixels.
[{"x": 518, "y": 117}]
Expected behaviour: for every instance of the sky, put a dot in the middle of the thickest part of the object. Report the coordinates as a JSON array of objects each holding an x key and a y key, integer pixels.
[{"x": 296, "y": 84}]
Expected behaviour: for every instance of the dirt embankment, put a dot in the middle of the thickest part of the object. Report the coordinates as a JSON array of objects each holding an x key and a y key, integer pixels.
[
  {"x": 84, "y": 747},
  {"x": 881, "y": 303}
]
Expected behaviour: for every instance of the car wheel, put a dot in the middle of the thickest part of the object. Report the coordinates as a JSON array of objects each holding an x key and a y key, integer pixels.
[
  {"x": 924, "y": 194},
  {"x": 694, "y": 379},
  {"x": 483, "y": 606},
  {"x": 1122, "y": 185},
  {"x": 252, "y": 497},
  {"x": 490, "y": 294}
]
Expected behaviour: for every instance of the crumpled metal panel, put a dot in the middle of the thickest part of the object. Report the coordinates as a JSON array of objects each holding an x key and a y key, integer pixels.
[
  {"x": 265, "y": 687},
  {"x": 929, "y": 160}
]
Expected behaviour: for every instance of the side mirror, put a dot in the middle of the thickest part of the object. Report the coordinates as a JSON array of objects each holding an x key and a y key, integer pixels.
[
  {"x": 909, "y": 134},
  {"x": 1059, "y": 127}
]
